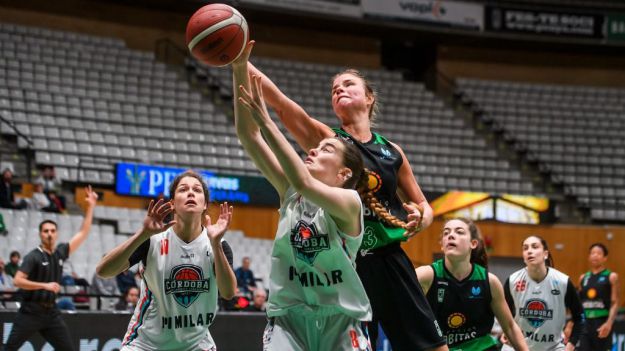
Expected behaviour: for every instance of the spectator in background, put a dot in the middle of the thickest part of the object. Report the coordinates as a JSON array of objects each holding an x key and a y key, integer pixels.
[
  {"x": 52, "y": 187},
  {"x": 125, "y": 280},
  {"x": 258, "y": 303},
  {"x": 40, "y": 200},
  {"x": 7, "y": 195},
  {"x": 105, "y": 286},
  {"x": 129, "y": 300},
  {"x": 14, "y": 263},
  {"x": 49, "y": 180},
  {"x": 6, "y": 283},
  {"x": 245, "y": 277},
  {"x": 70, "y": 277}
]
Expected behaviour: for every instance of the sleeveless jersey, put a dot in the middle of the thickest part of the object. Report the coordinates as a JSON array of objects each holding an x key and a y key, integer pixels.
[
  {"x": 383, "y": 160},
  {"x": 596, "y": 293},
  {"x": 312, "y": 264},
  {"x": 178, "y": 298},
  {"x": 462, "y": 308},
  {"x": 540, "y": 308}
]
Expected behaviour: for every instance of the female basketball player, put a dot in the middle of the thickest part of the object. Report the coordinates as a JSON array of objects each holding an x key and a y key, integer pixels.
[
  {"x": 384, "y": 268},
  {"x": 599, "y": 288},
  {"x": 538, "y": 296},
  {"x": 316, "y": 299},
  {"x": 464, "y": 296},
  {"x": 184, "y": 263}
]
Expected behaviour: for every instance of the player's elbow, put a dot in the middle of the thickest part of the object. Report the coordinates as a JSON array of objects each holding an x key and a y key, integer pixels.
[{"x": 105, "y": 271}]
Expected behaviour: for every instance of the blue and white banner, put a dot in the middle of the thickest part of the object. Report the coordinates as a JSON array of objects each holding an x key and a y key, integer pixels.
[
  {"x": 152, "y": 181},
  {"x": 444, "y": 12}
]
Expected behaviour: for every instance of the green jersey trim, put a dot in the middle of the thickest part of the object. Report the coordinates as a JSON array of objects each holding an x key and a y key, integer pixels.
[{"x": 478, "y": 273}]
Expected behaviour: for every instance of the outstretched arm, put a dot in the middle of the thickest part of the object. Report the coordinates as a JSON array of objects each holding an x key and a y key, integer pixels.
[
  {"x": 79, "y": 238},
  {"x": 249, "y": 133},
  {"x": 336, "y": 201},
  {"x": 420, "y": 216},
  {"x": 226, "y": 280},
  {"x": 307, "y": 131},
  {"x": 117, "y": 260},
  {"x": 504, "y": 316}
]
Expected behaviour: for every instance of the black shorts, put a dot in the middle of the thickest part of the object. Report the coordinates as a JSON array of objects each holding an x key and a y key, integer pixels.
[
  {"x": 590, "y": 341},
  {"x": 397, "y": 300}
]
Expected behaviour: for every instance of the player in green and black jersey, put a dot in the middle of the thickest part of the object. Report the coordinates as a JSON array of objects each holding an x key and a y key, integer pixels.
[
  {"x": 464, "y": 297},
  {"x": 599, "y": 296},
  {"x": 396, "y": 208}
]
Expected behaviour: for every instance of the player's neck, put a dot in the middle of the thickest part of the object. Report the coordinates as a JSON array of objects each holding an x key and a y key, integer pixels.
[
  {"x": 458, "y": 268},
  {"x": 47, "y": 248},
  {"x": 596, "y": 270},
  {"x": 359, "y": 129},
  {"x": 537, "y": 272},
  {"x": 187, "y": 229}
]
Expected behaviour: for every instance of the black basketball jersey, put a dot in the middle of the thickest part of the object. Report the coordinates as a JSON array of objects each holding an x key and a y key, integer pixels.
[
  {"x": 462, "y": 308},
  {"x": 595, "y": 294},
  {"x": 383, "y": 161}
]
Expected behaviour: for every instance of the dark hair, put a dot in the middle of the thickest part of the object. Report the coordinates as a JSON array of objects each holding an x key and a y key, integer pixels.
[
  {"x": 601, "y": 246},
  {"x": 45, "y": 221},
  {"x": 543, "y": 242},
  {"x": 369, "y": 88},
  {"x": 15, "y": 253},
  {"x": 192, "y": 174},
  {"x": 478, "y": 255},
  {"x": 352, "y": 159}
]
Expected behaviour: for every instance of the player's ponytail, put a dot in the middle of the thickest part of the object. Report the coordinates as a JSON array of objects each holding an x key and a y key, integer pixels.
[{"x": 374, "y": 204}]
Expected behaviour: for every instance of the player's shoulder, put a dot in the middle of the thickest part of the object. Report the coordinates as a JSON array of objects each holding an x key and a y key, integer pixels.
[
  {"x": 518, "y": 275},
  {"x": 556, "y": 274}
]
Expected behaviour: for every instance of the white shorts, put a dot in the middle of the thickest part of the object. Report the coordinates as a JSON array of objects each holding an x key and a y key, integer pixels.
[{"x": 304, "y": 332}]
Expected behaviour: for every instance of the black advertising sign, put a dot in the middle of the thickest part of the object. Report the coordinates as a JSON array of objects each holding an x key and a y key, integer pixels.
[{"x": 548, "y": 23}]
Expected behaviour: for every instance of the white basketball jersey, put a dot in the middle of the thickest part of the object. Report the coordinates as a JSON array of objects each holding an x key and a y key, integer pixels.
[
  {"x": 540, "y": 308},
  {"x": 313, "y": 264},
  {"x": 178, "y": 296}
]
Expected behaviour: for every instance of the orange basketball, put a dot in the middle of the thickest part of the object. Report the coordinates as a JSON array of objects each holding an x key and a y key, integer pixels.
[{"x": 216, "y": 34}]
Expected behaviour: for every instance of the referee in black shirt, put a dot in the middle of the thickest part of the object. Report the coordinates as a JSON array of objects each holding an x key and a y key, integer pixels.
[{"x": 39, "y": 276}]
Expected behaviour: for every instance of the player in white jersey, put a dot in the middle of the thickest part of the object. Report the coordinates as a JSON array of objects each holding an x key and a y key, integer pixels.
[
  {"x": 538, "y": 296},
  {"x": 184, "y": 264},
  {"x": 316, "y": 300}
]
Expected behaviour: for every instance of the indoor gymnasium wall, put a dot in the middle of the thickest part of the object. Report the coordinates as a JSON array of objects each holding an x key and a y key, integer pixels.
[
  {"x": 141, "y": 28},
  {"x": 537, "y": 66}
]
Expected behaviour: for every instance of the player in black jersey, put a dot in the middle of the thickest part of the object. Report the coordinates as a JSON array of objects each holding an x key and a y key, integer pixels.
[
  {"x": 396, "y": 209},
  {"x": 599, "y": 288},
  {"x": 464, "y": 296},
  {"x": 39, "y": 279}
]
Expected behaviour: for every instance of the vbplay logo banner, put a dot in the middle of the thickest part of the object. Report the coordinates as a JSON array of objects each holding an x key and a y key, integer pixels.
[{"x": 151, "y": 181}]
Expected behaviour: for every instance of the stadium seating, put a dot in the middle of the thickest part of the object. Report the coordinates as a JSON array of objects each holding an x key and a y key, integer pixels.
[
  {"x": 24, "y": 236},
  {"x": 573, "y": 132},
  {"x": 88, "y": 103}
]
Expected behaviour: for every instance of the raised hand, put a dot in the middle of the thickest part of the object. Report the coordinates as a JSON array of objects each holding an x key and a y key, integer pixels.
[
  {"x": 245, "y": 55},
  {"x": 154, "y": 221},
  {"x": 415, "y": 217},
  {"x": 91, "y": 196},
  {"x": 254, "y": 100},
  {"x": 217, "y": 230}
]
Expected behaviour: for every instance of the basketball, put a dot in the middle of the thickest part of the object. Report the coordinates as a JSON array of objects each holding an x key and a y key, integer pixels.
[
  {"x": 187, "y": 274},
  {"x": 216, "y": 34}
]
